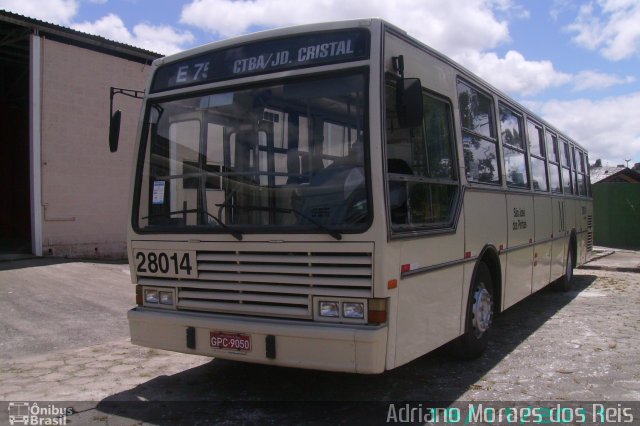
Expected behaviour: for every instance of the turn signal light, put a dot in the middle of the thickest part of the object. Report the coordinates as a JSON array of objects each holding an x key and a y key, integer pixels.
[
  {"x": 377, "y": 311},
  {"x": 139, "y": 295}
]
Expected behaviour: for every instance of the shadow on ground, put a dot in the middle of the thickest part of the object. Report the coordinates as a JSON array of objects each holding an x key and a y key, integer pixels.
[
  {"x": 27, "y": 261},
  {"x": 232, "y": 392}
]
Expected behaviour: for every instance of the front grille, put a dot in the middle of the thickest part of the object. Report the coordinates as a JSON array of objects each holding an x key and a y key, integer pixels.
[
  {"x": 590, "y": 233},
  {"x": 276, "y": 284}
]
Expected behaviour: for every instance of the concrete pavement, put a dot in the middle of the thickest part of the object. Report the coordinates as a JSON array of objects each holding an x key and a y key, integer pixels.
[
  {"x": 608, "y": 259},
  {"x": 51, "y": 304}
]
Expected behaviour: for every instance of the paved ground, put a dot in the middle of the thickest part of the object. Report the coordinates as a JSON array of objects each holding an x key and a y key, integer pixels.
[
  {"x": 582, "y": 345},
  {"x": 615, "y": 260},
  {"x": 50, "y": 304}
]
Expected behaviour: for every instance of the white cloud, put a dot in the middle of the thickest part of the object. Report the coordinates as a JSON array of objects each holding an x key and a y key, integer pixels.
[
  {"x": 452, "y": 26},
  {"x": 110, "y": 26},
  {"x": 608, "y": 128},
  {"x": 610, "y": 26},
  {"x": 513, "y": 73},
  {"x": 586, "y": 80},
  {"x": 161, "y": 39},
  {"x": 466, "y": 30},
  {"x": 558, "y": 7},
  {"x": 54, "y": 11}
]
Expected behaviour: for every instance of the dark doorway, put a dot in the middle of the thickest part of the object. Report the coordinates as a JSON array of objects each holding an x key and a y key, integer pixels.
[{"x": 15, "y": 207}]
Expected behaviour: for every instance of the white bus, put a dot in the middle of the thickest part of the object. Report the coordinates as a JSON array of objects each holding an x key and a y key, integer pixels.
[{"x": 342, "y": 197}]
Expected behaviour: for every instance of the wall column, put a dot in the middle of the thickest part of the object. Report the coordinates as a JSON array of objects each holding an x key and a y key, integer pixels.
[{"x": 35, "y": 141}]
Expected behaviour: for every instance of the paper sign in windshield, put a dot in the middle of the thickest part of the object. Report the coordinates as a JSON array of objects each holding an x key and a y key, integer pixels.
[{"x": 158, "y": 192}]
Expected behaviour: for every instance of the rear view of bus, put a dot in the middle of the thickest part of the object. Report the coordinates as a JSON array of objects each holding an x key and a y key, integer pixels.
[{"x": 298, "y": 202}]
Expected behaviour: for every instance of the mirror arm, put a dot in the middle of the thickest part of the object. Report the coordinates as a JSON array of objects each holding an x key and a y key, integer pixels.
[
  {"x": 114, "y": 134},
  {"x": 137, "y": 94}
]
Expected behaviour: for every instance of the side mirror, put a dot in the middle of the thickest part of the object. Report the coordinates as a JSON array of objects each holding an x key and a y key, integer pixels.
[
  {"x": 114, "y": 130},
  {"x": 409, "y": 102}
]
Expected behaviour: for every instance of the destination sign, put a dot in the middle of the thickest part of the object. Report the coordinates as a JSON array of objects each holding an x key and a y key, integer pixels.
[{"x": 264, "y": 57}]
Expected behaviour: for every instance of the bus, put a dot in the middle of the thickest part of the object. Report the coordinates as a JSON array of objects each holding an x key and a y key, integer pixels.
[{"x": 342, "y": 197}]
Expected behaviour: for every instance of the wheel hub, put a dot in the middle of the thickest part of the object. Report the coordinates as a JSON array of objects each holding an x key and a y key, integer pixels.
[{"x": 482, "y": 311}]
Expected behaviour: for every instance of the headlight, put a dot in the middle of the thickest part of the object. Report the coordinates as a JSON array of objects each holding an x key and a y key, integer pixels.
[
  {"x": 341, "y": 310},
  {"x": 329, "y": 309},
  {"x": 151, "y": 296},
  {"x": 166, "y": 298},
  {"x": 353, "y": 310}
]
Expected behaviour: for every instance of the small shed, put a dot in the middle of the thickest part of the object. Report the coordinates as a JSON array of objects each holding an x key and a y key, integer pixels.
[{"x": 616, "y": 205}]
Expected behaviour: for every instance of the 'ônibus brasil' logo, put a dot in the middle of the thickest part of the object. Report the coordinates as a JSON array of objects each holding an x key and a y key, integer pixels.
[{"x": 26, "y": 413}]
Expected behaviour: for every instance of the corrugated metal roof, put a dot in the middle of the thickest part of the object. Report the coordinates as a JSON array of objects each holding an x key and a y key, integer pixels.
[
  {"x": 599, "y": 174},
  {"x": 77, "y": 37}
]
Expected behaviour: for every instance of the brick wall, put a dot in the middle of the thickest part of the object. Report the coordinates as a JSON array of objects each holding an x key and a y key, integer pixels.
[{"x": 85, "y": 188}]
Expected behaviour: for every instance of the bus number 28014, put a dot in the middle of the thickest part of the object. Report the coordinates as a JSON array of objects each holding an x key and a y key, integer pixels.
[{"x": 171, "y": 263}]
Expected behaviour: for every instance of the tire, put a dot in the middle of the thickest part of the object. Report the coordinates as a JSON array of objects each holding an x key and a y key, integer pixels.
[
  {"x": 479, "y": 317},
  {"x": 564, "y": 283}
]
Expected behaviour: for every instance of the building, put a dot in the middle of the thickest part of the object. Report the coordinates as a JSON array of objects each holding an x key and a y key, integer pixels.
[
  {"x": 63, "y": 193},
  {"x": 616, "y": 206},
  {"x": 619, "y": 174}
]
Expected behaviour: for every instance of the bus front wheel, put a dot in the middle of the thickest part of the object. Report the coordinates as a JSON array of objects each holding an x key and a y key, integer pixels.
[{"x": 479, "y": 316}]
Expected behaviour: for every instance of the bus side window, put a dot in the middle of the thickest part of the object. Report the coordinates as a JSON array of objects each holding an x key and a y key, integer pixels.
[
  {"x": 478, "y": 135},
  {"x": 421, "y": 172},
  {"x": 515, "y": 152},
  {"x": 538, "y": 155}
]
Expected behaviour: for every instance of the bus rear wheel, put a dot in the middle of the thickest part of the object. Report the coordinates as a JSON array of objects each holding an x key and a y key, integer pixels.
[
  {"x": 564, "y": 282},
  {"x": 479, "y": 316}
]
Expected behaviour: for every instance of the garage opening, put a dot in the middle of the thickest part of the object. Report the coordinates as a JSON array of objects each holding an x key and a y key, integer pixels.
[{"x": 15, "y": 210}]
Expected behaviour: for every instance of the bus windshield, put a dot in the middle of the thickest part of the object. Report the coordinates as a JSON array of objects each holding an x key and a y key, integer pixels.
[{"x": 287, "y": 155}]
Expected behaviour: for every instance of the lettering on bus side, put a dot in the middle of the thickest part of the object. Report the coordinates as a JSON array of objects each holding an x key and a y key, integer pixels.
[{"x": 519, "y": 219}]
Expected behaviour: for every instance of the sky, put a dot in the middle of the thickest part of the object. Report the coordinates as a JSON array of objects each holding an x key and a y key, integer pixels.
[{"x": 575, "y": 63}]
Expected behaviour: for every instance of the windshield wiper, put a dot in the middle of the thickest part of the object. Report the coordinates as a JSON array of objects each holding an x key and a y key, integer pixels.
[
  {"x": 334, "y": 234},
  {"x": 237, "y": 235}
]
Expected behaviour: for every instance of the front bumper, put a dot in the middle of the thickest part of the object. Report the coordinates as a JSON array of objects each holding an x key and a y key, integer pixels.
[{"x": 330, "y": 347}]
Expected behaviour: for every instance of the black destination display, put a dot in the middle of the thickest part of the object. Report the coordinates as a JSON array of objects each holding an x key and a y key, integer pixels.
[{"x": 264, "y": 57}]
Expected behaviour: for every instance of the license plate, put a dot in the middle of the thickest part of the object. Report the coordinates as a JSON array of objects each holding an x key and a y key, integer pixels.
[{"x": 230, "y": 341}]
